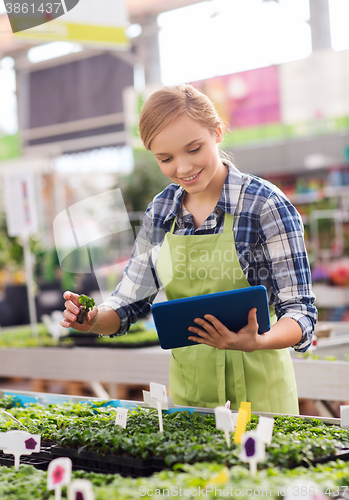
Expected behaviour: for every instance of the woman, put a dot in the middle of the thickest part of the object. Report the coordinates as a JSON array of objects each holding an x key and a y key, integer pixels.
[{"x": 244, "y": 232}]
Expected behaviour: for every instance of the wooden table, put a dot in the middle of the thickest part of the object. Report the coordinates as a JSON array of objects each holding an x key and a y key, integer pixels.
[{"x": 318, "y": 380}]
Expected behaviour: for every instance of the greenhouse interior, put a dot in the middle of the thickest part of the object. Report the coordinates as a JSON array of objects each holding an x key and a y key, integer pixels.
[{"x": 174, "y": 249}]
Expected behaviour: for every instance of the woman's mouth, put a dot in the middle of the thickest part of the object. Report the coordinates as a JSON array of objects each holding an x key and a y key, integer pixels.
[{"x": 191, "y": 178}]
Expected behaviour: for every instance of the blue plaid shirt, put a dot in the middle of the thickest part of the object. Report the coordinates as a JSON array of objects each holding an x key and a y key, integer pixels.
[{"x": 269, "y": 241}]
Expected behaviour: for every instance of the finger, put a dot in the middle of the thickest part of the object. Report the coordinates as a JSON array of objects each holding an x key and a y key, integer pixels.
[
  {"x": 207, "y": 325},
  {"x": 70, "y": 306},
  {"x": 92, "y": 313},
  {"x": 69, "y": 316},
  {"x": 199, "y": 340},
  {"x": 218, "y": 326},
  {"x": 74, "y": 297},
  {"x": 65, "y": 323},
  {"x": 199, "y": 331}
]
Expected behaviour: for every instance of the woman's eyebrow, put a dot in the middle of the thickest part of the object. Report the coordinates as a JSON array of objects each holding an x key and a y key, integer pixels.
[{"x": 184, "y": 147}]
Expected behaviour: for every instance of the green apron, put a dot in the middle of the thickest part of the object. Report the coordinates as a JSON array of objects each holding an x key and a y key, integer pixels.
[{"x": 204, "y": 376}]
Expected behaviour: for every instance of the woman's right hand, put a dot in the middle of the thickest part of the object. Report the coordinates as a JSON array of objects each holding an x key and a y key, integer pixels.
[{"x": 72, "y": 309}]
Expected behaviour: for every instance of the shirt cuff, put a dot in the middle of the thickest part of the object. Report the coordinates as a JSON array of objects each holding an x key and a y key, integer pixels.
[
  {"x": 307, "y": 327},
  {"x": 124, "y": 323}
]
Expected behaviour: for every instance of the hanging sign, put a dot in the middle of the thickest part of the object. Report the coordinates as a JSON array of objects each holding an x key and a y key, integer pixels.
[
  {"x": 20, "y": 204},
  {"x": 159, "y": 394},
  {"x": 59, "y": 475},
  {"x": 18, "y": 443},
  {"x": 80, "y": 489},
  {"x": 252, "y": 450},
  {"x": 92, "y": 23}
]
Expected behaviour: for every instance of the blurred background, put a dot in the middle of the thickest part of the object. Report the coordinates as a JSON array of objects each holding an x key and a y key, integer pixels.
[{"x": 278, "y": 73}]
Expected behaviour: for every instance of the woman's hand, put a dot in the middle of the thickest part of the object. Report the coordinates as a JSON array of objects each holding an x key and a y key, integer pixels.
[
  {"x": 72, "y": 306},
  {"x": 213, "y": 333}
]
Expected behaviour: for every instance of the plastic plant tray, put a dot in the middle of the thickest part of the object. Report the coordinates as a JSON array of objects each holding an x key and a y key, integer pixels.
[{"x": 93, "y": 462}]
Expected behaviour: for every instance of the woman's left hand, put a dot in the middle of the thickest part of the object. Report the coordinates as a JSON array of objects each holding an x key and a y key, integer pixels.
[{"x": 213, "y": 333}]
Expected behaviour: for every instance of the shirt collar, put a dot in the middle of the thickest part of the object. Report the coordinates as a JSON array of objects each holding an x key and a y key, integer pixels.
[
  {"x": 228, "y": 199},
  {"x": 176, "y": 204}
]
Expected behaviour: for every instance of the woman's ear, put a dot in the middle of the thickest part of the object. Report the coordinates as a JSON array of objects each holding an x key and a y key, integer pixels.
[{"x": 219, "y": 133}]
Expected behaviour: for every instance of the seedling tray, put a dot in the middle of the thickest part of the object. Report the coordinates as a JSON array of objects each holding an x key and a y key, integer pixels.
[
  {"x": 38, "y": 463},
  {"x": 93, "y": 462}
]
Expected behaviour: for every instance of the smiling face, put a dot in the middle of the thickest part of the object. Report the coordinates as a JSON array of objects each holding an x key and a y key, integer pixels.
[{"x": 187, "y": 154}]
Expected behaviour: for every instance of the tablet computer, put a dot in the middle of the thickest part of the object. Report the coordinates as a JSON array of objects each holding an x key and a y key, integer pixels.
[{"x": 172, "y": 318}]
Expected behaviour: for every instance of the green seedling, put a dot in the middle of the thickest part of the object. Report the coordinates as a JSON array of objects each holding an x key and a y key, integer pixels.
[{"x": 86, "y": 304}]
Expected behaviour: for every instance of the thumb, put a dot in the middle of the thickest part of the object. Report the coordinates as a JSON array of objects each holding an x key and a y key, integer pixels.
[
  {"x": 92, "y": 313},
  {"x": 252, "y": 319}
]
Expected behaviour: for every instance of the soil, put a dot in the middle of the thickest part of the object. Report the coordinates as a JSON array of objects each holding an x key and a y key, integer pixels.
[{"x": 81, "y": 317}]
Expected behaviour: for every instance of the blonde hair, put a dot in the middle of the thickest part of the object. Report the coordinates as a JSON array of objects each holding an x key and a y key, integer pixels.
[{"x": 169, "y": 103}]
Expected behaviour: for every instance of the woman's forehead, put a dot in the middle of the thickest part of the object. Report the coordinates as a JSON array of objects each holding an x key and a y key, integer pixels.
[{"x": 180, "y": 133}]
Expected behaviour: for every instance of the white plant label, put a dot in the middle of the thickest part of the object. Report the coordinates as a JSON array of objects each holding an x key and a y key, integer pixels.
[
  {"x": 18, "y": 443},
  {"x": 146, "y": 397},
  {"x": 224, "y": 419},
  {"x": 252, "y": 450},
  {"x": 265, "y": 428},
  {"x": 80, "y": 489},
  {"x": 153, "y": 404},
  {"x": 224, "y": 422},
  {"x": 227, "y": 404},
  {"x": 344, "y": 411},
  {"x": 158, "y": 392},
  {"x": 121, "y": 417},
  {"x": 58, "y": 475}
]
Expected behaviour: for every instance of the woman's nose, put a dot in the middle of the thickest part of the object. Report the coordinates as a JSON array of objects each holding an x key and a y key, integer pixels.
[{"x": 182, "y": 167}]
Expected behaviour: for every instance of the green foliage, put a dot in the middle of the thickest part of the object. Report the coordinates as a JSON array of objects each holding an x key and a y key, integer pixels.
[
  {"x": 214, "y": 481},
  {"x": 22, "y": 337},
  {"x": 11, "y": 252},
  {"x": 86, "y": 301},
  {"x": 187, "y": 438}
]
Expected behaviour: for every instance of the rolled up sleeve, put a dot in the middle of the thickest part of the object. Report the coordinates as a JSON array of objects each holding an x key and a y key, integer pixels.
[
  {"x": 286, "y": 260},
  {"x": 133, "y": 296}
]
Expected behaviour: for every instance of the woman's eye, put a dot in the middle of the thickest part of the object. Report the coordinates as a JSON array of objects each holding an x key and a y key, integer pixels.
[
  {"x": 166, "y": 160},
  {"x": 195, "y": 150}
]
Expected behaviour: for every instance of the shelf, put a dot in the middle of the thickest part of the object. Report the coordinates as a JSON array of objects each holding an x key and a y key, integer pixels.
[{"x": 331, "y": 296}]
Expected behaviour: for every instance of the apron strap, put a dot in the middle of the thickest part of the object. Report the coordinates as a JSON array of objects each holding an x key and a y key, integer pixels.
[
  {"x": 173, "y": 226},
  {"x": 228, "y": 223}
]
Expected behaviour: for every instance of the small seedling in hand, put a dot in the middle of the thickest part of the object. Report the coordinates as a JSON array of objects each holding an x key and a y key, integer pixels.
[{"x": 86, "y": 304}]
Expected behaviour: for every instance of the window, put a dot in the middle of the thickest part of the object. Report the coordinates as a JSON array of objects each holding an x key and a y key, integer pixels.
[
  {"x": 219, "y": 37},
  {"x": 339, "y": 15}
]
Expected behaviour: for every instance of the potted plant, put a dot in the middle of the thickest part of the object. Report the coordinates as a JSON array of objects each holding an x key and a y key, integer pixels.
[{"x": 86, "y": 304}]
